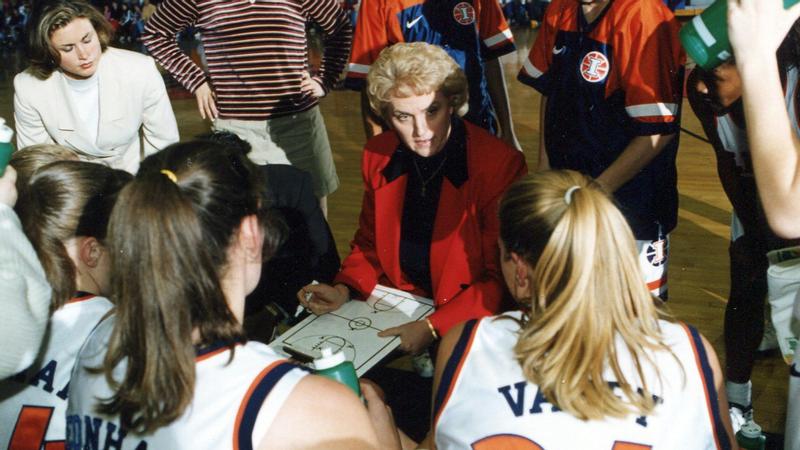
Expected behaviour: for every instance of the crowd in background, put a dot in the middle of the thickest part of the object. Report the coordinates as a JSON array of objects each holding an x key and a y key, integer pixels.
[
  {"x": 128, "y": 18},
  {"x": 13, "y": 19}
]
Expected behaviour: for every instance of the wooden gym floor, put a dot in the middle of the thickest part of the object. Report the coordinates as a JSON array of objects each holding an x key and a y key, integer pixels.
[{"x": 698, "y": 273}]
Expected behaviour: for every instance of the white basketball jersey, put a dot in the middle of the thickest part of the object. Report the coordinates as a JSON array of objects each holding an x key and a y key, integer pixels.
[
  {"x": 484, "y": 401},
  {"x": 33, "y": 403},
  {"x": 234, "y": 404}
]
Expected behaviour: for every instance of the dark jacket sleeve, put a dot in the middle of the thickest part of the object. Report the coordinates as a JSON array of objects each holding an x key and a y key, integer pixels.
[{"x": 309, "y": 250}]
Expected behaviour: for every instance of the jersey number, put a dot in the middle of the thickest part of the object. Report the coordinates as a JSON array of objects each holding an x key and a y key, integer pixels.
[
  {"x": 31, "y": 429},
  {"x": 514, "y": 442}
]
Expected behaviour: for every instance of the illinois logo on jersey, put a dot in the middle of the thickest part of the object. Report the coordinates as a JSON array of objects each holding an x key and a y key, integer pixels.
[
  {"x": 464, "y": 13},
  {"x": 657, "y": 252},
  {"x": 594, "y": 67}
]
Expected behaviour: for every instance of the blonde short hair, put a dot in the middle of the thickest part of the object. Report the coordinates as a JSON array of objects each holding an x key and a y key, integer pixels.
[{"x": 418, "y": 68}]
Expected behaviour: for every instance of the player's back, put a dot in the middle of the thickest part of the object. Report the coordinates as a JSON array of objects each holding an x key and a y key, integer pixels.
[
  {"x": 33, "y": 403},
  {"x": 236, "y": 398},
  {"x": 487, "y": 378}
]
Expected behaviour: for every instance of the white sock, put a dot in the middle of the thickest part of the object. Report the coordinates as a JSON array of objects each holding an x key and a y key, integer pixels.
[{"x": 739, "y": 393}]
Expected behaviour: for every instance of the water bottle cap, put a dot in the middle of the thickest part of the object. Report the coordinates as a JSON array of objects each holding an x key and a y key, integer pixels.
[
  {"x": 6, "y": 133},
  {"x": 329, "y": 359},
  {"x": 750, "y": 430}
]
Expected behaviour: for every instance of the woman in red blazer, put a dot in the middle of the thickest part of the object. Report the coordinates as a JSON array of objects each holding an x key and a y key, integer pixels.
[{"x": 428, "y": 222}]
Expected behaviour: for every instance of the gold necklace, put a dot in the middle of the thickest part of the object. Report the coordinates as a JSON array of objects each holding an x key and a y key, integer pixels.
[{"x": 435, "y": 172}]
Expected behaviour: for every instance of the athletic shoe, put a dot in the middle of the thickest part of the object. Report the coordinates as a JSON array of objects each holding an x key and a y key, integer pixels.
[
  {"x": 422, "y": 364},
  {"x": 740, "y": 415}
]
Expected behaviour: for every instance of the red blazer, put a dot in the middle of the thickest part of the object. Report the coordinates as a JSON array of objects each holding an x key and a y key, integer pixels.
[{"x": 464, "y": 259}]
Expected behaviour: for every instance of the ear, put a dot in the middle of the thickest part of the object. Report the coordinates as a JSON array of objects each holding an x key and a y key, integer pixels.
[
  {"x": 522, "y": 282},
  {"x": 251, "y": 238},
  {"x": 89, "y": 251}
]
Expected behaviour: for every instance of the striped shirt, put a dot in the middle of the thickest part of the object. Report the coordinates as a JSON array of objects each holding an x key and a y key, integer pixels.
[{"x": 256, "y": 50}]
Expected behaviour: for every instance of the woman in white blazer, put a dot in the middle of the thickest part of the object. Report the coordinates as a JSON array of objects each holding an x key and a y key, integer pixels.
[{"x": 82, "y": 94}]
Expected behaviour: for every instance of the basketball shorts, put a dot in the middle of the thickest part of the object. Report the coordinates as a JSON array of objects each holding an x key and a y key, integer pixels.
[{"x": 653, "y": 260}]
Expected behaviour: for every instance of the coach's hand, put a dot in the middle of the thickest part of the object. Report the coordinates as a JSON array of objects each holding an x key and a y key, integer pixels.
[
  {"x": 414, "y": 336},
  {"x": 206, "y": 101},
  {"x": 323, "y": 298}
]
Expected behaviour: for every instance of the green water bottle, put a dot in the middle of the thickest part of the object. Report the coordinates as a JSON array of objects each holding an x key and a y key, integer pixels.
[
  {"x": 336, "y": 367},
  {"x": 749, "y": 437},
  {"x": 705, "y": 37},
  {"x": 6, "y": 148}
]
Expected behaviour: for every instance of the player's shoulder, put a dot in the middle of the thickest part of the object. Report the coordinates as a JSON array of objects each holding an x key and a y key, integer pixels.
[{"x": 261, "y": 351}]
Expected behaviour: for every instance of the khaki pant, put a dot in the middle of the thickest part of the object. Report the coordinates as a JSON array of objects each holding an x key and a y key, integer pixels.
[{"x": 298, "y": 139}]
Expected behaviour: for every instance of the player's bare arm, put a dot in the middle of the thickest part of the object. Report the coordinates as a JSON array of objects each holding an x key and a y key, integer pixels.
[
  {"x": 756, "y": 29},
  {"x": 633, "y": 159}
]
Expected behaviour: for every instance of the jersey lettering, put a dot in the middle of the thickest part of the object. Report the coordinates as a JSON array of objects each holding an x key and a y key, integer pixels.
[
  {"x": 47, "y": 375},
  {"x": 515, "y": 442},
  {"x": 31, "y": 429},
  {"x": 86, "y": 434},
  {"x": 620, "y": 445},
  {"x": 505, "y": 442},
  {"x": 517, "y": 405},
  {"x": 517, "y": 402}
]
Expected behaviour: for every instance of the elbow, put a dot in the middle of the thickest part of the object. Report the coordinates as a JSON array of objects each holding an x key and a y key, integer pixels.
[{"x": 785, "y": 225}]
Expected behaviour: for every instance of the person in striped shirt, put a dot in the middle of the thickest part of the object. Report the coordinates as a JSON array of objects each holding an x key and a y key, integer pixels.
[{"x": 258, "y": 84}]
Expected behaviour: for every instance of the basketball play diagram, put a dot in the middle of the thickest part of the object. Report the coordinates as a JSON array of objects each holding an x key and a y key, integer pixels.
[{"x": 354, "y": 328}]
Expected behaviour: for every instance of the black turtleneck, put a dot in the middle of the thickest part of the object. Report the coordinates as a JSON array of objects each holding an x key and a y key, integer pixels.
[{"x": 419, "y": 208}]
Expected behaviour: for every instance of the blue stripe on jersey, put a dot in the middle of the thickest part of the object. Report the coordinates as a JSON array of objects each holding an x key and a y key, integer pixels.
[
  {"x": 211, "y": 348},
  {"x": 708, "y": 379},
  {"x": 448, "y": 376},
  {"x": 253, "y": 404}
]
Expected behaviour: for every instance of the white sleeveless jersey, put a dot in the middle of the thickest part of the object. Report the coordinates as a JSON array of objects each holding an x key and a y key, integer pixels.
[
  {"x": 484, "y": 401},
  {"x": 234, "y": 404},
  {"x": 33, "y": 403}
]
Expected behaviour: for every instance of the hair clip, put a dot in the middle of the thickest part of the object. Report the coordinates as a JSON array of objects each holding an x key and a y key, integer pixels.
[
  {"x": 171, "y": 175},
  {"x": 568, "y": 194}
]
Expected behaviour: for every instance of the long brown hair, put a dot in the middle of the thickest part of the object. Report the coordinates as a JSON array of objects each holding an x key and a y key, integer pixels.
[
  {"x": 27, "y": 161},
  {"x": 50, "y": 16},
  {"x": 169, "y": 238},
  {"x": 62, "y": 200},
  {"x": 587, "y": 291}
]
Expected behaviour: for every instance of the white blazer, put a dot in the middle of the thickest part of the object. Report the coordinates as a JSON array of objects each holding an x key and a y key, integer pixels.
[{"x": 132, "y": 97}]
